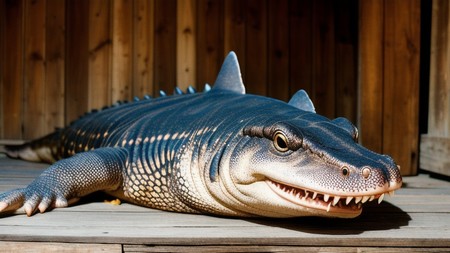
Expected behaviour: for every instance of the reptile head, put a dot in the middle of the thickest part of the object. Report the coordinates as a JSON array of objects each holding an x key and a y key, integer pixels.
[
  {"x": 310, "y": 166},
  {"x": 294, "y": 162}
]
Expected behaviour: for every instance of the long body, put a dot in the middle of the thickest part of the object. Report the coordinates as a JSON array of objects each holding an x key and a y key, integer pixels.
[{"x": 220, "y": 152}]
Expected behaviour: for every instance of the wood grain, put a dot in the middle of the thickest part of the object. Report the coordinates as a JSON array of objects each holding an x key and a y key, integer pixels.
[
  {"x": 165, "y": 45},
  {"x": 278, "y": 50},
  {"x": 34, "y": 73},
  {"x": 77, "y": 55},
  {"x": 186, "y": 40},
  {"x": 122, "y": 78},
  {"x": 370, "y": 77},
  {"x": 435, "y": 145},
  {"x": 209, "y": 40},
  {"x": 234, "y": 31},
  {"x": 143, "y": 37},
  {"x": 256, "y": 81},
  {"x": 401, "y": 83},
  {"x": 324, "y": 71},
  {"x": 54, "y": 65},
  {"x": 408, "y": 222},
  {"x": 12, "y": 84},
  {"x": 301, "y": 44},
  {"x": 100, "y": 54}
]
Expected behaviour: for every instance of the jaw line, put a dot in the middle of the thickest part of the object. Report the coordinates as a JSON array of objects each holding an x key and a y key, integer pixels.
[{"x": 326, "y": 205}]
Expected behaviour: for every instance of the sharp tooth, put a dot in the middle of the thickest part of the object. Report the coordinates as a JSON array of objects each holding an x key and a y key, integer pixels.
[
  {"x": 298, "y": 195},
  {"x": 336, "y": 200},
  {"x": 348, "y": 200},
  {"x": 359, "y": 206},
  {"x": 306, "y": 194},
  {"x": 357, "y": 199},
  {"x": 364, "y": 199},
  {"x": 326, "y": 197},
  {"x": 314, "y": 195},
  {"x": 391, "y": 193},
  {"x": 372, "y": 198},
  {"x": 329, "y": 206},
  {"x": 380, "y": 198}
]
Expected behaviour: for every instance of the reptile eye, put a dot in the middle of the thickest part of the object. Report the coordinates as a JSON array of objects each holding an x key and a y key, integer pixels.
[
  {"x": 345, "y": 171},
  {"x": 280, "y": 142}
]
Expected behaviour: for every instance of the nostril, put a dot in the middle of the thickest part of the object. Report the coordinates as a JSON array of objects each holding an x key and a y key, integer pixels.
[{"x": 366, "y": 172}]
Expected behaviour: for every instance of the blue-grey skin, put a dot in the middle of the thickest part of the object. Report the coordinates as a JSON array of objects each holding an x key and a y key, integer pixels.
[{"x": 221, "y": 152}]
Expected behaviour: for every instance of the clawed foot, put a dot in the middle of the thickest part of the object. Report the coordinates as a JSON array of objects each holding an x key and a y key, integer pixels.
[{"x": 29, "y": 200}]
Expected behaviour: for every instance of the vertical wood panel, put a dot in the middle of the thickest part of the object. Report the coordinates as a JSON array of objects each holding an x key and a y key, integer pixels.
[
  {"x": 165, "y": 44},
  {"x": 99, "y": 64},
  {"x": 2, "y": 59},
  {"x": 371, "y": 74},
  {"x": 209, "y": 40},
  {"x": 234, "y": 31},
  {"x": 324, "y": 58},
  {"x": 186, "y": 39},
  {"x": 300, "y": 22},
  {"x": 12, "y": 86},
  {"x": 121, "y": 50},
  {"x": 346, "y": 50},
  {"x": 76, "y": 102},
  {"x": 401, "y": 84},
  {"x": 54, "y": 66},
  {"x": 439, "y": 107},
  {"x": 435, "y": 145},
  {"x": 278, "y": 51},
  {"x": 35, "y": 86},
  {"x": 256, "y": 47},
  {"x": 143, "y": 47}
]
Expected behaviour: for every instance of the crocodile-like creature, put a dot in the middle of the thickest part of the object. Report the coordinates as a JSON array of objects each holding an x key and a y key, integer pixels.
[{"x": 221, "y": 152}]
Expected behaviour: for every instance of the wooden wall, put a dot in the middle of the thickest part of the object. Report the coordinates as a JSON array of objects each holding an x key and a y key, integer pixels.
[
  {"x": 435, "y": 145},
  {"x": 61, "y": 58}
]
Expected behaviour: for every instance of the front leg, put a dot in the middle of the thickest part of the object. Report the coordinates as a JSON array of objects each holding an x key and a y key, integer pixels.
[{"x": 67, "y": 180}]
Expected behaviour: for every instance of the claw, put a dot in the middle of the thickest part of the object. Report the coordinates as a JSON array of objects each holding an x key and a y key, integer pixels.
[
  {"x": 3, "y": 206},
  {"x": 29, "y": 209}
]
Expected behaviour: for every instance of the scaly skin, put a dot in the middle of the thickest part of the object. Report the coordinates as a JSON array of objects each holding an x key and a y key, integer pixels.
[{"x": 221, "y": 152}]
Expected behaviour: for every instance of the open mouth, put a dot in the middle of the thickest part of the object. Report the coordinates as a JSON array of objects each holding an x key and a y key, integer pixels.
[{"x": 322, "y": 201}]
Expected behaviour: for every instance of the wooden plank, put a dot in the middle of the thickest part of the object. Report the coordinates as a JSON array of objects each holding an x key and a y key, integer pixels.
[
  {"x": 59, "y": 247},
  {"x": 209, "y": 40},
  {"x": 370, "y": 76},
  {"x": 256, "y": 81},
  {"x": 435, "y": 146},
  {"x": 143, "y": 38},
  {"x": 165, "y": 44},
  {"x": 346, "y": 50},
  {"x": 99, "y": 63},
  {"x": 401, "y": 83},
  {"x": 12, "y": 85},
  {"x": 186, "y": 39},
  {"x": 408, "y": 221},
  {"x": 234, "y": 31},
  {"x": 278, "y": 248},
  {"x": 34, "y": 74},
  {"x": 435, "y": 154},
  {"x": 439, "y": 105},
  {"x": 2, "y": 59},
  {"x": 77, "y": 59},
  {"x": 300, "y": 36},
  {"x": 55, "y": 64},
  {"x": 122, "y": 79},
  {"x": 278, "y": 50},
  {"x": 324, "y": 58}
]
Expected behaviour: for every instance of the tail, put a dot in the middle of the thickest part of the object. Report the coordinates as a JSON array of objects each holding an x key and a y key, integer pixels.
[{"x": 44, "y": 149}]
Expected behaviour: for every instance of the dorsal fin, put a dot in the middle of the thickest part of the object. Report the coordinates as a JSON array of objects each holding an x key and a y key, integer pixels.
[
  {"x": 302, "y": 101},
  {"x": 229, "y": 77}
]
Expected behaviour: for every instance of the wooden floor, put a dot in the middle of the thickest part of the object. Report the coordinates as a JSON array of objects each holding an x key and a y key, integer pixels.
[{"x": 416, "y": 218}]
